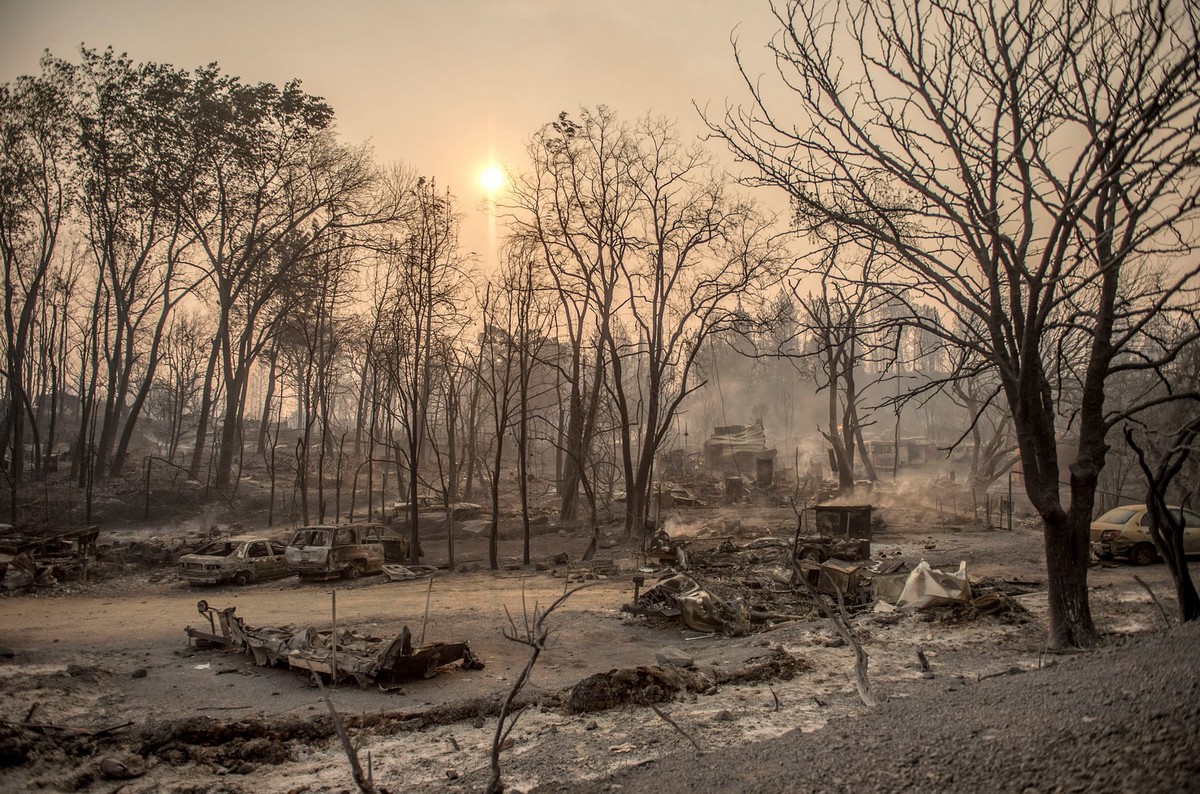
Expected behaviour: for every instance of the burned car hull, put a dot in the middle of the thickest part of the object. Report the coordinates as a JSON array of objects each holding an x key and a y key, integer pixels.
[{"x": 238, "y": 560}]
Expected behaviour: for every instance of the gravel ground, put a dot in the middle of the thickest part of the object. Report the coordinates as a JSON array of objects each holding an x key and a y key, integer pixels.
[{"x": 1123, "y": 718}]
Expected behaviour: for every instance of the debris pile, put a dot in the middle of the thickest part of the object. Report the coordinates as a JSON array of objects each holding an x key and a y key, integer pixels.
[
  {"x": 738, "y": 448},
  {"x": 735, "y": 589},
  {"x": 660, "y": 683}
]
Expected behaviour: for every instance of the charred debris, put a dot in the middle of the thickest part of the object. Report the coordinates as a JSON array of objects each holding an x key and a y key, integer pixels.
[{"x": 723, "y": 586}]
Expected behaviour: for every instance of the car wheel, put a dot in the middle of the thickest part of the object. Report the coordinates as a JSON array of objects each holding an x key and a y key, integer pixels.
[
  {"x": 241, "y": 578},
  {"x": 354, "y": 571},
  {"x": 1142, "y": 554}
]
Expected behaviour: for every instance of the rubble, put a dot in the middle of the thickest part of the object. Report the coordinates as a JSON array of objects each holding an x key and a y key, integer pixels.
[
  {"x": 657, "y": 684},
  {"x": 737, "y": 588},
  {"x": 365, "y": 658},
  {"x": 738, "y": 448}
]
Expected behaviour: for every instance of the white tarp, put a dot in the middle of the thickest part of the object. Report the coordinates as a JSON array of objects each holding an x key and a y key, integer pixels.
[{"x": 927, "y": 586}]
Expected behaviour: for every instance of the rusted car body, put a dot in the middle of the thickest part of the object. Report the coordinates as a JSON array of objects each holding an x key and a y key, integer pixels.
[
  {"x": 238, "y": 560},
  {"x": 329, "y": 552}
]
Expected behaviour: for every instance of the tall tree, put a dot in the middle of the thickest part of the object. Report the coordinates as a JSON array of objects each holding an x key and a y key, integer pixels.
[
  {"x": 696, "y": 250},
  {"x": 1043, "y": 159},
  {"x": 576, "y": 203},
  {"x": 133, "y": 170},
  {"x": 274, "y": 187},
  {"x": 37, "y": 135},
  {"x": 423, "y": 283},
  {"x": 649, "y": 251}
]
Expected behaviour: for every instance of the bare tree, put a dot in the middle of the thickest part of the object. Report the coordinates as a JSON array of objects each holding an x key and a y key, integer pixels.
[
  {"x": 533, "y": 317},
  {"x": 498, "y": 376},
  {"x": 173, "y": 397},
  {"x": 1043, "y": 159},
  {"x": 993, "y": 444},
  {"x": 424, "y": 280},
  {"x": 311, "y": 338},
  {"x": 649, "y": 251},
  {"x": 533, "y": 633},
  {"x": 844, "y": 326},
  {"x": 697, "y": 249},
  {"x": 575, "y": 202}
]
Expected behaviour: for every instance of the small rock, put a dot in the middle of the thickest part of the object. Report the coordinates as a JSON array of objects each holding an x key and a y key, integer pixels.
[
  {"x": 243, "y": 768},
  {"x": 141, "y": 672},
  {"x": 591, "y": 726},
  {"x": 927, "y": 675},
  {"x": 452, "y": 774},
  {"x": 113, "y": 769},
  {"x": 724, "y": 715},
  {"x": 478, "y": 722},
  {"x": 673, "y": 657}
]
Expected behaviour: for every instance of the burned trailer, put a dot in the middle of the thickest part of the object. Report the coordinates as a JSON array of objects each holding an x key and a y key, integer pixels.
[
  {"x": 348, "y": 654},
  {"x": 43, "y": 556}
]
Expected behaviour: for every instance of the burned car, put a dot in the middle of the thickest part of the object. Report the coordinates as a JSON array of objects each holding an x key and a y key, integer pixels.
[
  {"x": 1125, "y": 532},
  {"x": 240, "y": 560},
  {"x": 459, "y": 511},
  {"x": 328, "y": 552}
]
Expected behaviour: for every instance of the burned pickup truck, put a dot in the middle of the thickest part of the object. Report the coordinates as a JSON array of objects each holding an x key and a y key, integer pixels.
[
  {"x": 366, "y": 659},
  {"x": 347, "y": 551}
]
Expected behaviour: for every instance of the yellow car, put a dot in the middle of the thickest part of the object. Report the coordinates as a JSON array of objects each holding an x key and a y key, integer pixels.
[{"x": 1125, "y": 532}]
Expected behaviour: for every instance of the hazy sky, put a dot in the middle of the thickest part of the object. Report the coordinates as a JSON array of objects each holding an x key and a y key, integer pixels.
[{"x": 441, "y": 85}]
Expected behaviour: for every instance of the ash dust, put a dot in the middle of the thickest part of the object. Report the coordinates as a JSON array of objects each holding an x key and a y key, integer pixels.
[{"x": 99, "y": 654}]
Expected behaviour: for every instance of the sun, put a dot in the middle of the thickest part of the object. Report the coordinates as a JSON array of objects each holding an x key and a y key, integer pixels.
[{"x": 492, "y": 178}]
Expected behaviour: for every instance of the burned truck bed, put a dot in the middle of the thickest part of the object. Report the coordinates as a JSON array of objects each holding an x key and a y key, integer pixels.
[{"x": 366, "y": 659}]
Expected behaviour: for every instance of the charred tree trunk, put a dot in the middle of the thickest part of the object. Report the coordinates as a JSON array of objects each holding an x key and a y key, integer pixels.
[
  {"x": 1167, "y": 528},
  {"x": 206, "y": 403}
]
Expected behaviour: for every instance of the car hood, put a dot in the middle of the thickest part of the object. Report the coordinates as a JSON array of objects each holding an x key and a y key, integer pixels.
[{"x": 206, "y": 559}]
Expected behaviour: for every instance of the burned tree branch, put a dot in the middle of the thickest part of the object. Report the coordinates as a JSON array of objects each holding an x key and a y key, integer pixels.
[{"x": 533, "y": 633}]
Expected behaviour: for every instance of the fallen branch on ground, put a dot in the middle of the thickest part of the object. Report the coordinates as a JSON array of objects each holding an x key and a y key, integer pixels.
[
  {"x": 364, "y": 782},
  {"x": 841, "y": 622},
  {"x": 675, "y": 725},
  {"x": 1153, "y": 598}
]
